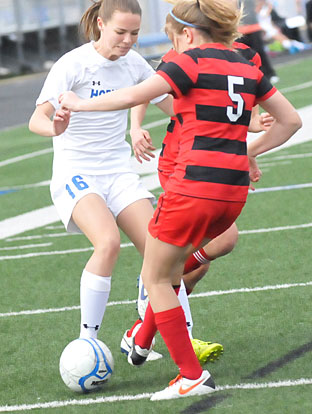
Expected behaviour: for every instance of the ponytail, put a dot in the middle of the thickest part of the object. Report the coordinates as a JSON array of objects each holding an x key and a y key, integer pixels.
[
  {"x": 89, "y": 22},
  {"x": 105, "y": 9}
]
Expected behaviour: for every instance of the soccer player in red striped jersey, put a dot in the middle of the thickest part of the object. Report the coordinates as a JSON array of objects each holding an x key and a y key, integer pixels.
[
  {"x": 198, "y": 263},
  {"x": 215, "y": 89},
  {"x": 194, "y": 268}
]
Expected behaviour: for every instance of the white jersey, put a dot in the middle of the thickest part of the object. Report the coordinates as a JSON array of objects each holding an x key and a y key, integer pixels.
[{"x": 94, "y": 142}]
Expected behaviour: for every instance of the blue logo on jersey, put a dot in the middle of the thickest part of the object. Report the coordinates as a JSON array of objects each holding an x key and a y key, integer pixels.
[{"x": 98, "y": 92}]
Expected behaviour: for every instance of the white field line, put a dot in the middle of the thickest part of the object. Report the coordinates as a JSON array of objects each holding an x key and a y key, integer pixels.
[
  {"x": 26, "y": 186},
  {"x": 269, "y": 230},
  {"x": 131, "y": 302},
  {"x": 57, "y": 252},
  {"x": 120, "y": 398},
  {"x": 43, "y": 236},
  {"x": 281, "y": 188},
  {"x": 25, "y": 157},
  {"x": 287, "y": 157},
  {"x": 86, "y": 249},
  {"x": 296, "y": 87},
  {"x": 48, "y": 215},
  {"x": 34, "y": 154},
  {"x": 26, "y": 246},
  {"x": 151, "y": 167},
  {"x": 19, "y": 224}
]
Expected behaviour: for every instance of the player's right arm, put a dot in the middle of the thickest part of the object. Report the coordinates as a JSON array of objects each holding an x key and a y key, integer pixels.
[{"x": 47, "y": 122}]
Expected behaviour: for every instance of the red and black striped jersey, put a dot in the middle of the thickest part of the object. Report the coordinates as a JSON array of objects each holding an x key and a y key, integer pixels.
[
  {"x": 215, "y": 89},
  {"x": 170, "y": 143}
]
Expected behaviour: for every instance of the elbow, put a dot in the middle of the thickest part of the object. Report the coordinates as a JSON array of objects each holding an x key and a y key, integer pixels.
[
  {"x": 295, "y": 123},
  {"x": 31, "y": 126}
]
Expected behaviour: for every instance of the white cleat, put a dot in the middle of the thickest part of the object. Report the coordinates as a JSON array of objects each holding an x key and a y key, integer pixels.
[
  {"x": 137, "y": 355},
  {"x": 126, "y": 343},
  {"x": 182, "y": 387}
]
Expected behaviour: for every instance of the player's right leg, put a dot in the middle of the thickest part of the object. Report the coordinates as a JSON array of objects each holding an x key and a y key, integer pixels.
[
  {"x": 95, "y": 220},
  {"x": 80, "y": 201}
]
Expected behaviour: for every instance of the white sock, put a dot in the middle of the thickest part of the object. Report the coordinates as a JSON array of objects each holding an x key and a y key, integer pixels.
[
  {"x": 186, "y": 307},
  {"x": 94, "y": 293},
  {"x": 142, "y": 301}
]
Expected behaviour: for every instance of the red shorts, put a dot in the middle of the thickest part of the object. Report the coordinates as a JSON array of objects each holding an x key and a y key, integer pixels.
[{"x": 181, "y": 220}]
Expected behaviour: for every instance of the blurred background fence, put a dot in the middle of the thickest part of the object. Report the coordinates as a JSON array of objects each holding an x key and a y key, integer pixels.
[{"x": 34, "y": 33}]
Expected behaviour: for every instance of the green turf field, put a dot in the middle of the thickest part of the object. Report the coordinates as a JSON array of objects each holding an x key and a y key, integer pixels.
[{"x": 256, "y": 301}]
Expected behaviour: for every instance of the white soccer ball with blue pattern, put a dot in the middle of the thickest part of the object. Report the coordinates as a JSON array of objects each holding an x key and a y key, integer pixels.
[{"x": 86, "y": 364}]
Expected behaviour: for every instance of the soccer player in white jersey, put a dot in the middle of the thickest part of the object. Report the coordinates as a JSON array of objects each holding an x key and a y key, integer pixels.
[{"x": 93, "y": 186}]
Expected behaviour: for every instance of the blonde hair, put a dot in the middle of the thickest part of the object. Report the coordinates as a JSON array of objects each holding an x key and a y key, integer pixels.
[
  {"x": 219, "y": 19},
  {"x": 105, "y": 9}
]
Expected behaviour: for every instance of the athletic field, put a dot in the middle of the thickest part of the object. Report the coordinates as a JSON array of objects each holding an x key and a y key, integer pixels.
[{"x": 255, "y": 301}]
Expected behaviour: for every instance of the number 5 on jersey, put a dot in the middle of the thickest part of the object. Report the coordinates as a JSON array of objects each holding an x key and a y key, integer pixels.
[{"x": 236, "y": 98}]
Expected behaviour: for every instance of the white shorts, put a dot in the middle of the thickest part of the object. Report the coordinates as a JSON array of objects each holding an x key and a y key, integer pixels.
[{"x": 117, "y": 190}]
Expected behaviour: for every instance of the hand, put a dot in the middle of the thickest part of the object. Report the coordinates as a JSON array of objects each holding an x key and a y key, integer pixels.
[
  {"x": 254, "y": 172},
  {"x": 265, "y": 121},
  {"x": 60, "y": 121},
  {"x": 69, "y": 100},
  {"x": 142, "y": 144}
]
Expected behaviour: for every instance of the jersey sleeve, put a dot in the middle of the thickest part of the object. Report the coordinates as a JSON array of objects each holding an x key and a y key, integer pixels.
[
  {"x": 59, "y": 80},
  {"x": 264, "y": 88},
  {"x": 181, "y": 73}
]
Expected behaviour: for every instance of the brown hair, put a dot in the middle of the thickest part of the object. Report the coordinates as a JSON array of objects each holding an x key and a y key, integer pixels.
[
  {"x": 219, "y": 19},
  {"x": 105, "y": 9}
]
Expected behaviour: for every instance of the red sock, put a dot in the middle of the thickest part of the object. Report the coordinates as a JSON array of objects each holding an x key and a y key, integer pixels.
[
  {"x": 137, "y": 322},
  {"x": 172, "y": 327},
  {"x": 195, "y": 260},
  {"x": 148, "y": 329}
]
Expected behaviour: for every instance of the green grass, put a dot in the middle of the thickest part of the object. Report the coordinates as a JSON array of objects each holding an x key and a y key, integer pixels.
[{"x": 256, "y": 328}]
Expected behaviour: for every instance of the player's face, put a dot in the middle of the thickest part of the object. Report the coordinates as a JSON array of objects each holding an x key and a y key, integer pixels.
[{"x": 118, "y": 35}]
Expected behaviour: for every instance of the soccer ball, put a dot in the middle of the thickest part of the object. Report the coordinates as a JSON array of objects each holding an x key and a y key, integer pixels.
[{"x": 86, "y": 364}]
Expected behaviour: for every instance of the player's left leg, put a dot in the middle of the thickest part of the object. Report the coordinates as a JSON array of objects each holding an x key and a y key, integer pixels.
[{"x": 133, "y": 221}]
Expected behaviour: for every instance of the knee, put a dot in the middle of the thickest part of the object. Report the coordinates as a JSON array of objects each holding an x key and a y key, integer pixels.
[
  {"x": 230, "y": 242},
  {"x": 108, "y": 246}
]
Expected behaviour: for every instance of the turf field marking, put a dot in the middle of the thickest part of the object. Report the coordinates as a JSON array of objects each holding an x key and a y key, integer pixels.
[
  {"x": 120, "y": 398},
  {"x": 249, "y": 290},
  {"x": 296, "y": 87},
  {"x": 42, "y": 236},
  {"x": 281, "y": 188},
  {"x": 269, "y": 230},
  {"x": 279, "y": 363},
  {"x": 151, "y": 167},
  {"x": 192, "y": 296},
  {"x": 57, "y": 252},
  {"x": 34, "y": 154},
  {"x": 123, "y": 245},
  {"x": 287, "y": 157},
  {"x": 25, "y": 157},
  {"x": 27, "y": 246}
]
